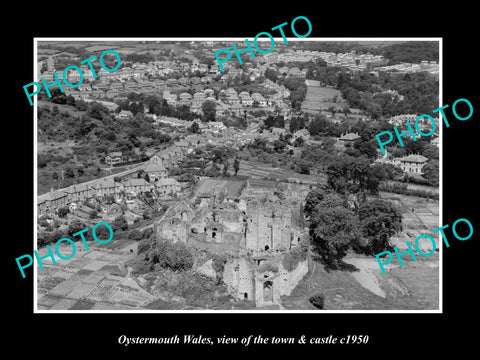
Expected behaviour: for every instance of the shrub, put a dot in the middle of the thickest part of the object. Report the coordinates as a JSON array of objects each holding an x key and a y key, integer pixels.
[
  {"x": 176, "y": 256},
  {"x": 141, "y": 266},
  {"x": 317, "y": 300},
  {"x": 90, "y": 205},
  {"x": 147, "y": 214},
  {"x": 218, "y": 262},
  {"x": 75, "y": 226},
  {"x": 294, "y": 256},
  {"x": 92, "y": 214},
  {"x": 63, "y": 211},
  {"x": 45, "y": 238},
  {"x": 120, "y": 223},
  {"x": 147, "y": 233},
  {"x": 135, "y": 235},
  {"x": 144, "y": 246}
]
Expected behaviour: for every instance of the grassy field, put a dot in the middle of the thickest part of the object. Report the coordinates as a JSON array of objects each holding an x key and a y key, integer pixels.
[
  {"x": 61, "y": 108},
  {"x": 413, "y": 287},
  {"x": 257, "y": 170},
  {"x": 321, "y": 98}
]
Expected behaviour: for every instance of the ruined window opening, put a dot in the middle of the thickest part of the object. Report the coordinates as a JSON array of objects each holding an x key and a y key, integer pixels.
[
  {"x": 265, "y": 276},
  {"x": 245, "y": 295},
  {"x": 267, "y": 291},
  {"x": 266, "y": 247}
]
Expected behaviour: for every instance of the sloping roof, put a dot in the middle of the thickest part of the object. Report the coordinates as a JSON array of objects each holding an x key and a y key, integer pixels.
[
  {"x": 414, "y": 158},
  {"x": 167, "y": 181},
  {"x": 154, "y": 168},
  {"x": 115, "y": 153},
  {"x": 104, "y": 183},
  {"x": 51, "y": 196},
  {"x": 136, "y": 182},
  {"x": 76, "y": 188},
  {"x": 350, "y": 136}
]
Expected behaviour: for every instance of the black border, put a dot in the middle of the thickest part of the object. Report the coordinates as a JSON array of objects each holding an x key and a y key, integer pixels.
[{"x": 95, "y": 334}]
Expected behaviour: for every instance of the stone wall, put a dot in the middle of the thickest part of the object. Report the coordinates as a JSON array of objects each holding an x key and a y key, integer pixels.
[
  {"x": 173, "y": 229},
  {"x": 239, "y": 278},
  {"x": 270, "y": 286},
  {"x": 263, "y": 284},
  {"x": 269, "y": 226}
]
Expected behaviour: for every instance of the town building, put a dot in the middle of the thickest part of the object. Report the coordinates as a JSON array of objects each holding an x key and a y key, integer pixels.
[
  {"x": 411, "y": 164},
  {"x": 155, "y": 172},
  {"x": 168, "y": 186},
  {"x": 114, "y": 158},
  {"x": 349, "y": 138}
]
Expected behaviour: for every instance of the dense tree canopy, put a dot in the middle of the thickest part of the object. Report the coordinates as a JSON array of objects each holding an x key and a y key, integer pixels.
[
  {"x": 379, "y": 221},
  {"x": 333, "y": 228},
  {"x": 209, "y": 111},
  {"x": 431, "y": 172}
]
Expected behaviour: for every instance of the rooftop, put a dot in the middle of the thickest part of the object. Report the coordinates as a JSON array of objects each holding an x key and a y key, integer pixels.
[
  {"x": 350, "y": 136},
  {"x": 414, "y": 158}
]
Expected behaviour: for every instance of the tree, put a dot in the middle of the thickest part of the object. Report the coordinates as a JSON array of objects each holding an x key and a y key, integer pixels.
[
  {"x": 209, "y": 109},
  {"x": 303, "y": 167},
  {"x": 236, "y": 165},
  {"x": 414, "y": 147},
  {"x": 317, "y": 300},
  {"x": 312, "y": 199},
  {"x": 153, "y": 104},
  {"x": 70, "y": 100},
  {"x": 317, "y": 125},
  {"x": 431, "y": 152},
  {"x": 225, "y": 168},
  {"x": 93, "y": 214},
  {"x": 80, "y": 105},
  {"x": 147, "y": 177},
  {"x": 120, "y": 223},
  {"x": 328, "y": 145},
  {"x": 194, "y": 128},
  {"x": 63, "y": 211},
  {"x": 431, "y": 172},
  {"x": 348, "y": 175},
  {"x": 367, "y": 148},
  {"x": 333, "y": 229},
  {"x": 379, "y": 221},
  {"x": 75, "y": 226},
  {"x": 298, "y": 142},
  {"x": 96, "y": 110},
  {"x": 175, "y": 256},
  {"x": 271, "y": 74},
  {"x": 296, "y": 123},
  {"x": 69, "y": 172},
  {"x": 279, "y": 145},
  {"x": 58, "y": 97}
]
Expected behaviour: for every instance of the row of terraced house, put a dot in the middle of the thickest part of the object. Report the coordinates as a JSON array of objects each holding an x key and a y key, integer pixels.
[{"x": 156, "y": 168}]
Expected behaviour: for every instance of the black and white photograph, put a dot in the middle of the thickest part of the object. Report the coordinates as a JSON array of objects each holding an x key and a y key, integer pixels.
[
  {"x": 215, "y": 180},
  {"x": 258, "y": 186}
]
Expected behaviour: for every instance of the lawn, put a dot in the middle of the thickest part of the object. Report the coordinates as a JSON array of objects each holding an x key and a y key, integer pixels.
[{"x": 321, "y": 98}]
